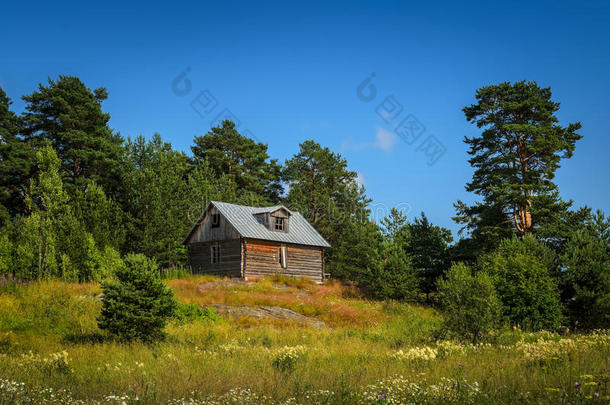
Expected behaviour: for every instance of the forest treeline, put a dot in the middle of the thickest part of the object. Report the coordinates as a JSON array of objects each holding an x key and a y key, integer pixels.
[{"x": 76, "y": 197}]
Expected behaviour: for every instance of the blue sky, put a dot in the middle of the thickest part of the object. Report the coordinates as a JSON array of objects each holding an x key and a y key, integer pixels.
[{"x": 290, "y": 72}]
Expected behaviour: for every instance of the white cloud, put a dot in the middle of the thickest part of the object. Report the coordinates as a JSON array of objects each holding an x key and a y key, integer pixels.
[{"x": 384, "y": 139}]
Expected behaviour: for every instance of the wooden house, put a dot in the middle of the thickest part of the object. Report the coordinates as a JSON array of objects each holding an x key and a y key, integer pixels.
[{"x": 250, "y": 242}]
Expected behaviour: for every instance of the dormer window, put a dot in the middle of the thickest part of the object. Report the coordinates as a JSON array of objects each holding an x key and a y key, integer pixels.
[
  {"x": 274, "y": 219},
  {"x": 279, "y": 224}
]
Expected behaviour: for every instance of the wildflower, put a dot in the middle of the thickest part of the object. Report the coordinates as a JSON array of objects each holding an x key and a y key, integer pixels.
[{"x": 416, "y": 353}]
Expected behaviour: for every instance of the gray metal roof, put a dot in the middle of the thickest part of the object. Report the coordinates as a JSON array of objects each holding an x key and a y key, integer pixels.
[
  {"x": 244, "y": 221},
  {"x": 262, "y": 210}
]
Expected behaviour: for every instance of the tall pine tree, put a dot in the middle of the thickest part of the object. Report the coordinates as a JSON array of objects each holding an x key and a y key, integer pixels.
[
  {"x": 515, "y": 160},
  {"x": 244, "y": 161},
  {"x": 325, "y": 191},
  {"x": 69, "y": 115},
  {"x": 16, "y": 159}
]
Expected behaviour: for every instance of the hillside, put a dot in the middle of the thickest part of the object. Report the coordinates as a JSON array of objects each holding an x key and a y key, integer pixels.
[{"x": 279, "y": 341}]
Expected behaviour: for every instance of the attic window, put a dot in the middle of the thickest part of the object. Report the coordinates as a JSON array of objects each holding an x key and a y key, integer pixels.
[
  {"x": 215, "y": 220},
  {"x": 279, "y": 224}
]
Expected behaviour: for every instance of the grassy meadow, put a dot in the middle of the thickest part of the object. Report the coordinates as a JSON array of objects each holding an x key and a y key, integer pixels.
[{"x": 371, "y": 352}]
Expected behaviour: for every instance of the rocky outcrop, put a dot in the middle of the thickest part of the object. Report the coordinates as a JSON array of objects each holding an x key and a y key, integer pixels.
[{"x": 238, "y": 311}]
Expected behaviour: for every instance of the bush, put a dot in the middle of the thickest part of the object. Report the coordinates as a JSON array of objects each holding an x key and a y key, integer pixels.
[
  {"x": 469, "y": 302},
  {"x": 6, "y": 248},
  {"x": 587, "y": 281},
  {"x": 110, "y": 261},
  {"x": 392, "y": 276},
  {"x": 194, "y": 312},
  {"x": 521, "y": 271},
  {"x": 137, "y": 305}
]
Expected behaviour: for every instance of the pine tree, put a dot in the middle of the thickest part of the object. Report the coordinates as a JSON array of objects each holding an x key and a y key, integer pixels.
[
  {"x": 101, "y": 216},
  {"x": 428, "y": 246},
  {"x": 515, "y": 160},
  {"x": 69, "y": 115},
  {"x": 586, "y": 277},
  {"x": 155, "y": 199},
  {"x": 244, "y": 161},
  {"x": 16, "y": 159},
  {"x": 392, "y": 275},
  {"x": 138, "y": 304},
  {"x": 325, "y": 191},
  {"x": 393, "y": 223}
]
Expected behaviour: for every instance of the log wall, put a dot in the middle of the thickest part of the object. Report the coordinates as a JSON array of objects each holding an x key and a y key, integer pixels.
[
  {"x": 200, "y": 260},
  {"x": 262, "y": 258}
]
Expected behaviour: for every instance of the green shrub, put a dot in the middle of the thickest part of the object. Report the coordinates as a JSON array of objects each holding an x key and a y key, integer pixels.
[
  {"x": 521, "y": 271},
  {"x": 6, "y": 247},
  {"x": 110, "y": 261},
  {"x": 587, "y": 281},
  {"x": 470, "y": 304},
  {"x": 392, "y": 276},
  {"x": 194, "y": 312},
  {"x": 138, "y": 304}
]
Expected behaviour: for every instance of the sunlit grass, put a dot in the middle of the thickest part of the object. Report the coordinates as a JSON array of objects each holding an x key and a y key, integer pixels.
[{"x": 366, "y": 344}]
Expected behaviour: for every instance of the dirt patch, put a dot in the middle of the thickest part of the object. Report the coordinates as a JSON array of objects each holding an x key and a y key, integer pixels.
[{"x": 238, "y": 311}]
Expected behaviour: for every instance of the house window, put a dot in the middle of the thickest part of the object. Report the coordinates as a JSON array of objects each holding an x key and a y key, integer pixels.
[
  {"x": 282, "y": 256},
  {"x": 279, "y": 224},
  {"x": 215, "y": 253},
  {"x": 215, "y": 220}
]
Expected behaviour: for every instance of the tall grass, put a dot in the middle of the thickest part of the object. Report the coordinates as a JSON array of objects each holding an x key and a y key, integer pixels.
[
  {"x": 372, "y": 352},
  {"x": 175, "y": 272}
]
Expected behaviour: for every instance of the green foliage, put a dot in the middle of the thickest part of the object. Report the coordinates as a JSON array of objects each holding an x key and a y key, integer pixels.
[
  {"x": 586, "y": 264},
  {"x": 175, "y": 272},
  {"x": 325, "y": 191},
  {"x": 469, "y": 302},
  {"x": 521, "y": 270},
  {"x": 393, "y": 223},
  {"x": 47, "y": 308},
  {"x": 515, "y": 160},
  {"x": 392, "y": 275},
  {"x": 51, "y": 241},
  {"x": 109, "y": 262},
  {"x": 138, "y": 304},
  {"x": 6, "y": 249},
  {"x": 155, "y": 189},
  {"x": 101, "y": 216},
  {"x": 69, "y": 115},
  {"x": 354, "y": 250},
  {"x": 244, "y": 161},
  {"x": 194, "y": 312},
  {"x": 427, "y": 245},
  {"x": 16, "y": 159},
  {"x": 163, "y": 196}
]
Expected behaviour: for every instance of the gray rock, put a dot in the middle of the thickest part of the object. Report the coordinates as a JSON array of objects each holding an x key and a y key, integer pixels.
[{"x": 238, "y": 311}]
